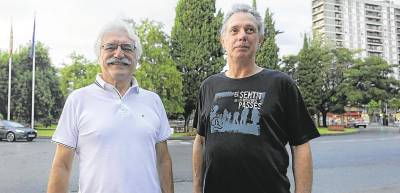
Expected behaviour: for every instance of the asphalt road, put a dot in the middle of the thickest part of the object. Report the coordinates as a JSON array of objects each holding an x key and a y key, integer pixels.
[{"x": 367, "y": 162}]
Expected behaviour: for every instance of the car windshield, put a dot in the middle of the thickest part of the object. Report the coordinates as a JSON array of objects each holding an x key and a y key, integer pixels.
[{"x": 12, "y": 124}]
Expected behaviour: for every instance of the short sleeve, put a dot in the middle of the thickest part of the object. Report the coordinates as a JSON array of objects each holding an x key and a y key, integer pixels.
[
  {"x": 199, "y": 121},
  {"x": 67, "y": 130},
  {"x": 164, "y": 131},
  {"x": 300, "y": 127}
]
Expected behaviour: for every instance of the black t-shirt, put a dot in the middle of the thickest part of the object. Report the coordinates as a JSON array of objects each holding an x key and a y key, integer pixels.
[{"x": 246, "y": 124}]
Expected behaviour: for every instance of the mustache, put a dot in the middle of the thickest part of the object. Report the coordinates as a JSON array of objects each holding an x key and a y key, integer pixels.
[{"x": 124, "y": 61}]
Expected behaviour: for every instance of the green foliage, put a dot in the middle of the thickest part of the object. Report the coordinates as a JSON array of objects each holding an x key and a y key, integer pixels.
[
  {"x": 81, "y": 72},
  {"x": 289, "y": 65},
  {"x": 308, "y": 74},
  {"x": 394, "y": 103},
  {"x": 254, "y": 4},
  {"x": 195, "y": 46},
  {"x": 373, "y": 106},
  {"x": 48, "y": 97},
  {"x": 158, "y": 72},
  {"x": 368, "y": 80},
  {"x": 267, "y": 54}
]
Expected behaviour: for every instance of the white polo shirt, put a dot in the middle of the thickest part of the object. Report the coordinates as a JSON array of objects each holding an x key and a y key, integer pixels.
[{"x": 114, "y": 137}]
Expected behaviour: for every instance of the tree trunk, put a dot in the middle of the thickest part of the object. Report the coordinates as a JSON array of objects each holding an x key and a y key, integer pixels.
[{"x": 324, "y": 113}]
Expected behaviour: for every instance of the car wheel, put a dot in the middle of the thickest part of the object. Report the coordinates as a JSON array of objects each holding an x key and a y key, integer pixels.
[
  {"x": 10, "y": 137},
  {"x": 365, "y": 126},
  {"x": 30, "y": 139}
]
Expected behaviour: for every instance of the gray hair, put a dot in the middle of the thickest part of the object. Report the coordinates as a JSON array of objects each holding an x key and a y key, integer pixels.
[
  {"x": 243, "y": 8},
  {"x": 118, "y": 26}
]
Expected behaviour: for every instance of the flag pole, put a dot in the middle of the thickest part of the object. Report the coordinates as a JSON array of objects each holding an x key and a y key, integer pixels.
[
  {"x": 9, "y": 72},
  {"x": 33, "y": 73}
]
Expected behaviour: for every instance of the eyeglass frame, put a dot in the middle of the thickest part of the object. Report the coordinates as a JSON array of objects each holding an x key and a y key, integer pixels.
[{"x": 121, "y": 46}]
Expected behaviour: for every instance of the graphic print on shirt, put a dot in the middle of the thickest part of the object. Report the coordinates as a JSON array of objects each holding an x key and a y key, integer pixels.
[{"x": 237, "y": 112}]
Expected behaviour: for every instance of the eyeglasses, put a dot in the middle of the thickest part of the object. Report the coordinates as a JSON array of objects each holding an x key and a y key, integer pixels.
[{"x": 110, "y": 47}]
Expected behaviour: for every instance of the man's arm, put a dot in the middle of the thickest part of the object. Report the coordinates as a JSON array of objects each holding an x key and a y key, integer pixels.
[
  {"x": 302, "y": 168},
  {"x": 61, "y": 170},
  {"x": 197, "y": 158},
  {"x": 164, "y": 165}
]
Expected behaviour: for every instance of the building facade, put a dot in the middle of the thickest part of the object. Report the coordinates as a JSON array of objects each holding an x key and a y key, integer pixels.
[{"x": 372, "y": 26}]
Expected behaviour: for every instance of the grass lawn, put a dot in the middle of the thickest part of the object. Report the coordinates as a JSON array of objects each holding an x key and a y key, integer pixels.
[
  {"x": 183, "y": 134},
  {"x": 45, "y": 131},
  {"x": 324, "y": 131}
]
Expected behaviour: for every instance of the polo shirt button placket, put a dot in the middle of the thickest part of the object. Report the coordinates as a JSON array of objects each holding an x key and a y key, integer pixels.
[{"x": 123, "y": 110}]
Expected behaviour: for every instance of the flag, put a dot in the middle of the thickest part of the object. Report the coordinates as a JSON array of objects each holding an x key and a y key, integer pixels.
[
  {"x": 11, "y": 41},
  {"x": 32, "y": 51}
]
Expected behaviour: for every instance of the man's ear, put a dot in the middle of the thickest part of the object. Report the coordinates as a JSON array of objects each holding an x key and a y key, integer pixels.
[
  {"x": 221, "y": 40},
  {"x": 261, "y": 40}
]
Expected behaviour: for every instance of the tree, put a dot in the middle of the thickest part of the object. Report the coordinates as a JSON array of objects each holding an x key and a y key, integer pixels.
[
  {"x": 369, "y": 79},
  {"x": 289, "y": 65},
  {"x": 3, "y": 83},
  {"x": 195, "y": 46},
  {"x": 158, "y": 71},
  {"x": 81, "y": 72},
  {"x": 48, "y": 97},
  {"x": 394, "y": 103},
  {"x": 254, "y": 4},
  {"x": 308, "y": 75},
  {"x": 334, "y": 63},
  {"x": 267, "y": 55}
]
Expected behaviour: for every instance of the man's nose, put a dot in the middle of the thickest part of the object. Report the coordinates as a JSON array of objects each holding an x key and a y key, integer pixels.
[
  {"x": 242, "y": 35},
  {"x": 118, "y": 53}
]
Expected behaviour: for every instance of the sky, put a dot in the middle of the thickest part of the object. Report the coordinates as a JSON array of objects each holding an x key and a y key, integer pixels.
[{"x": 66, "y": 26}]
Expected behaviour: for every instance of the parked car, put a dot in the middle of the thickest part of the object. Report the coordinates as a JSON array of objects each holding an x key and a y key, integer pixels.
[
  {"x": 357, "y": 123},
  {"x": 12, "y": 131}
]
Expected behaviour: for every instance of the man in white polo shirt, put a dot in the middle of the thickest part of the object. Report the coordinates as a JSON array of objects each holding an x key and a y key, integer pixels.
[{"x": 117, "y": 129}]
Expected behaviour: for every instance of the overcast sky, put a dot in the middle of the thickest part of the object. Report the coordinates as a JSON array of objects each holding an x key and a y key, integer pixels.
[{"x": 72, "y": 25}]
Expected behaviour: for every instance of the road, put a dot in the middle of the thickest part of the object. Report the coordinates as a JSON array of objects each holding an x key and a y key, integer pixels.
[{"x": 366, "y": 162}]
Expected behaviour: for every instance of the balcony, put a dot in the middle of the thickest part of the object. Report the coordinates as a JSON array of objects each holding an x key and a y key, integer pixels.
[
  {"x": 374, "y": 34},
  {"x": 338, "y": 16},
  {"x": 316, "y": 3},
  {"x": 338, "y": 2},
  {"x": 375, "y": 54},
  {"x": 375, "y": 48},
  {"x": 338, "y": 22},
  {"x": 373, "y": 14},
  {"x": 372, "y": 7},
  {"x": 373, "y": 20},
  {"x": 374, "y": 41},
  {"x": 374, "y": 27}
]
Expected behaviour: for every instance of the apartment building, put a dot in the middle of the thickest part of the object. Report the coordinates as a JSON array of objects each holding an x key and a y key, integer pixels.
[{"x": 373, "y": 26}]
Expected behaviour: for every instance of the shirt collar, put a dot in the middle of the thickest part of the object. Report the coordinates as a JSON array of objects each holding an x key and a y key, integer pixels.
[{"x": 103, "y": 84}]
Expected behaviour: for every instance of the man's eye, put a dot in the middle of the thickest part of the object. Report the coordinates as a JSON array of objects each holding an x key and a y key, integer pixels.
[
  {"x": 250, "y": 30},
  {"x": 110, "y": 47},
  {"x": 128, "y": 47},
  {"x": 234, "y": 30}
]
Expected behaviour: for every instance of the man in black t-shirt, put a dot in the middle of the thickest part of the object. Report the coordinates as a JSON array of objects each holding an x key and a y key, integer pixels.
[{"x": 245, "y": 117}]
